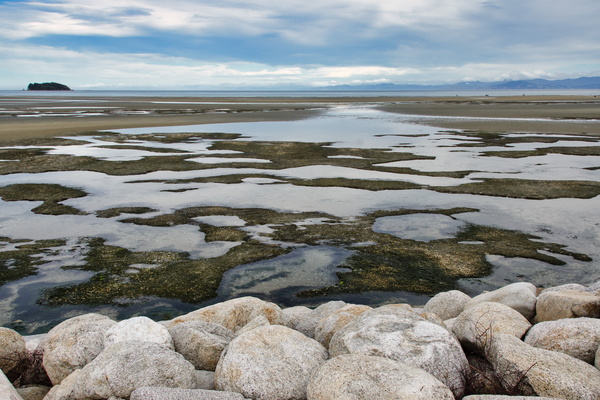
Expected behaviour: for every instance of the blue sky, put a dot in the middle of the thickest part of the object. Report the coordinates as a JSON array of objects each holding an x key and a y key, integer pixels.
[{"x": 237, "y": 44}]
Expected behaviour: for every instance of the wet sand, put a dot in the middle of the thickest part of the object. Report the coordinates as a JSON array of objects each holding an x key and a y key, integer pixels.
[{"x": 33, "y": 116}]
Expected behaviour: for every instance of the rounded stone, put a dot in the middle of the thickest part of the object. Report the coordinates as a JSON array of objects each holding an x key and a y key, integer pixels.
[
  {"x": 13, "y": 350},
  {"x": 141, "y": 329},
  {"x": 361, "y": 377},
  {"x": 447, "y": 305},
  {"x": 269, "y": 363},
  {"x": 577, "y": 337},
  {"x": 402, "y": 335},
  {"x": 73, "y": 343},
  {"x": 201, "y": 343},
  {"x": 476, "y": 326}
]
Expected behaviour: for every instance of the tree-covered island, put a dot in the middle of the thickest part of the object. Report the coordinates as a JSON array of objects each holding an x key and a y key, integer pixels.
[{"x": 47, "y": 86}]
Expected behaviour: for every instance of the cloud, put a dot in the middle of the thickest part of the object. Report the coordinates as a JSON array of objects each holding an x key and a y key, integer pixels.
[{"x": 253, "y": 42}]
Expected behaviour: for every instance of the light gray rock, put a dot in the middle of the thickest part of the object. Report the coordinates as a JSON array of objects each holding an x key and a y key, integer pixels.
[
  {"x": 66, "y": 389},
  {"x": 361, "y": 377},
  {"x": 531, "y": 371},
  {"x": 269, "y": 363},
  {"x": 476, "y": 326},
  {"x": 141, "y": 329},
  {"x": 597, "y": 363},
  {"x": 504, "y": 397},
  {"x": 255, "y": 323},
  {"x": 330, "y": 324},
  {"x": 402, "y": 335},
  {"x": 594, "y": 288},
  {"x": 308, "y": 324},
  {"x": 33, "y": 341},
  {"x": 7, "y": 391},
  {"x": 577, "y": 337},
  {"x": 205, "y": 380},
  {"x": 200, "y": 342},
  {"x": 73, "y": 343},
  {"x": 293, "y": 315},
  {"x": 520, "y": 296},
  {"x": 125, "y": 366},
  {"x": 234, "y": 314},
  {"x": 449, "y": 324},
  {"x": 433, "y": 318},
  {"x": 161, "y": 393},
  {"x": 567, "y": 304},
  {"x": 567, "y": 286},
  {"x": 447, "y": 305},
  {"x": 13, "y": 350},
  {"x": 33, "y": 392}
]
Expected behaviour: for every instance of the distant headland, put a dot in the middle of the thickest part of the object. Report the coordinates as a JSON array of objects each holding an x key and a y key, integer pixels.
[{"x": 47, "y": 86}]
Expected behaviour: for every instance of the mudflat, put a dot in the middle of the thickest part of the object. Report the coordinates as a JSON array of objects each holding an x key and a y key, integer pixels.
[{"x": 30, "y": 117}]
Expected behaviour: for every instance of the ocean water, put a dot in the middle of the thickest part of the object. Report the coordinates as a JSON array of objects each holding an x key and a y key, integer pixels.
[{"x": 298, "y": 93}]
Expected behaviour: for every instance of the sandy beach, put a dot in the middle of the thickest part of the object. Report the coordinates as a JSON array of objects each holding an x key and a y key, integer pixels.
[{"x": 31, "y": 117}]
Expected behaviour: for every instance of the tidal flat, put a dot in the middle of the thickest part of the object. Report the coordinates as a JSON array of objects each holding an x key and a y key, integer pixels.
[{"x": 298, "y": 202}]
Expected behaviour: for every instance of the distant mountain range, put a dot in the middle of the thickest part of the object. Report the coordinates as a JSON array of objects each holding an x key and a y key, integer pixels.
[{"x": 578, "y": 83}]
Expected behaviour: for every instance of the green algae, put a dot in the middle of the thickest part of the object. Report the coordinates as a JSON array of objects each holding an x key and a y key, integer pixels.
[
  {"x": 174, "y": 275},
  {"x": 527, "y": 189},
  {"x": 50, "y": 194},
  {"x": 380, "y": 261},
  {"x": 115, "y": 212},
  {"x": 571, "y": 151},
  {"x": 24, "y": 259}
]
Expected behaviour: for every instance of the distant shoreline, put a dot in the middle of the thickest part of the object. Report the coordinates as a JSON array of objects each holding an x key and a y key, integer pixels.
[{"x": 45, "y": 116}]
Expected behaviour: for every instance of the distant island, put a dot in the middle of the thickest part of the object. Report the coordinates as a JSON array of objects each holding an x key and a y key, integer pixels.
[
  {"x": 537, "y": 84},
  {"x": 47, "y": 86}
]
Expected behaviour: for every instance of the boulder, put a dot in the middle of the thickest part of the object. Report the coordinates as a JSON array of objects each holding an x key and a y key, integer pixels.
[
  {"x": 233, "y": 314},
  {"x": 566, "y": 287},
  {"x": 447, "y": 305},
  {"x": 594, "y": 288},
  {"x": 205, "y": 380},
  {"x": 7, "y": 391},
  {"x": 73, "y": 343},
  {"x": 65, "y": 390},
  {"x": 597, "y": 363},
  {"x": 530, "y": 371},
  {"x": 476, "y": 326},
  {"x": 126, "y": 366},
  {"x": 567, "y": 304},
  {"x": 520, "y": 296},
  {"x": 361, "y": 377},
  {"x": 161, "y": 393},
  {"x": 200, "y": 342},
  {"x": 330, "y": 324},
  {"x": 433, "y": 318},
  {"x": 141, "y": 329},
  {"x": 401, "y": 335},
  {"x": 33, "y": 392},
  {"x": 308, "y": 324},
  {"x": 13, "y": 351},
  {"x": 269, "y": 363},
  {"x": 34, "y": 341},
  {"x": 293, "y": 315},
  {"x": 577, "y": 337},
  {"x": 255, "y": 323},
  {"x": 505, "y": 397}
]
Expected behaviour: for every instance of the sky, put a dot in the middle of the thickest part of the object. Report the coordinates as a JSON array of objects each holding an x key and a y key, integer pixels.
[{"x": 286, "y": 44}]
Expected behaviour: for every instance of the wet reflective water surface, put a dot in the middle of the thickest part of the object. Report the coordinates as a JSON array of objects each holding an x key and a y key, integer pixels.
[{"x": 356, "y": 204}]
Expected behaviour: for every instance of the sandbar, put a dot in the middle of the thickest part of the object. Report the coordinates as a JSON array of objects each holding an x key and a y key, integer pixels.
[{"x": 45, "y": 116}]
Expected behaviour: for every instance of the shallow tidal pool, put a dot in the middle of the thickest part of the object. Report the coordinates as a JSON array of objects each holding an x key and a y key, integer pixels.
[{"x": 355, "y": 204}]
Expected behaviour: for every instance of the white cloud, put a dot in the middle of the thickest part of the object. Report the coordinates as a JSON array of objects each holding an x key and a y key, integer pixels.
[{"x": 319, "y": 42}]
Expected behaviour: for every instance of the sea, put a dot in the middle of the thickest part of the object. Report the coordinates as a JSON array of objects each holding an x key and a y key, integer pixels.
[{"x": 301, "y": 93}]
